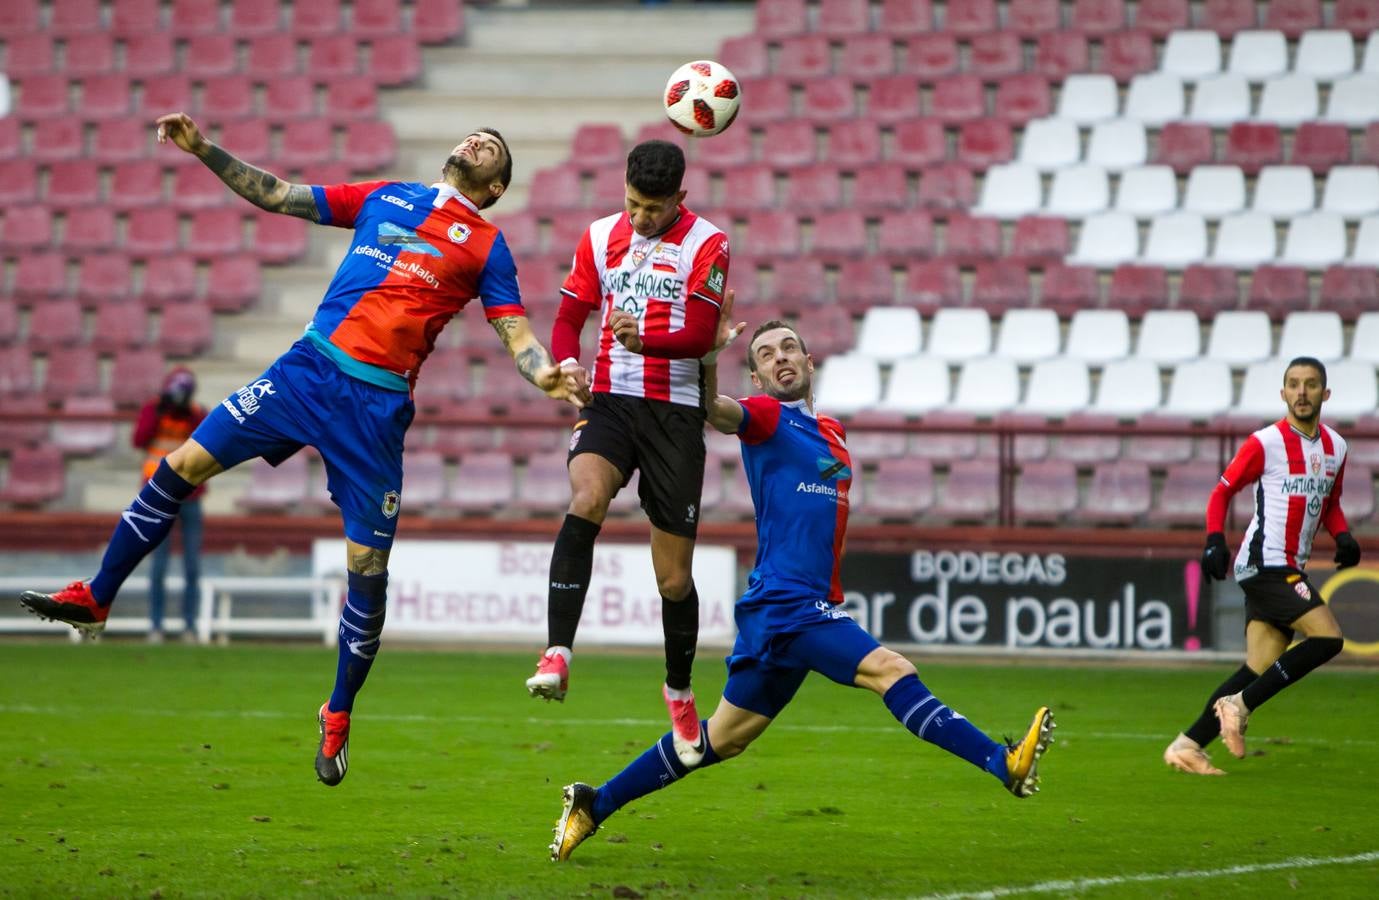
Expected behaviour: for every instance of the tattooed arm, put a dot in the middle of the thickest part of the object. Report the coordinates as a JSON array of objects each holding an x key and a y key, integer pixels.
[
  {"x": 263, "y": 189},
  {"x": 535, "y": 363}
]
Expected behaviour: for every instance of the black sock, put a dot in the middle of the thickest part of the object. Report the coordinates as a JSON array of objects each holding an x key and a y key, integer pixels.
[
  {"x": 680, "y": 622},
  {"x": 1206, "y": 729},
  {"x": 1289, "y": 669},
  {"x": 572, "y": 561}
]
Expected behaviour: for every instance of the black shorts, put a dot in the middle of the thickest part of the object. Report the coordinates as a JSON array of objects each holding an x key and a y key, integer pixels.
[
  {"x": 1279, "y": 597},
  {"x": 664, "y": 440}
]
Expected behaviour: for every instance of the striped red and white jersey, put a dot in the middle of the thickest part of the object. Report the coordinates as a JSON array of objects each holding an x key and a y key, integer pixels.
[
  {"x": 654, "y": 279},
  {"x": 1297, "y": 487}
]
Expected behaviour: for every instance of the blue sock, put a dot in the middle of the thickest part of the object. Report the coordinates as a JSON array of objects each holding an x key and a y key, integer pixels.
[
  {"x": 649, "y": 772},
  {"x": 929, "y": 719},
  {"x": 361, "y": 624},
  {"x": 144, "y": 524}
]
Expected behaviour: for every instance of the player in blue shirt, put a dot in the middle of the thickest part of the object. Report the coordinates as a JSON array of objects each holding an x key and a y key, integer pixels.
[{"x": 789, "y": 621}]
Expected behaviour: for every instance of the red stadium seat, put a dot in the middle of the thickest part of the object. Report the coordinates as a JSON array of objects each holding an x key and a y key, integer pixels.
[
  {"x": 1162, "y": 17},
  {"x": 1320, "y": 145},
  {"x": 1369, "y": 146},
  {"x": 352, "y": 99},
  {"x": 16, "y": 379},
  {"x": 449, "y": 380},
  {"x": 1184, "y": 146},
  {"x": 121, "y": 140},
  {"x": 32, "y": 430},
  {"x": 607, "y": 189},
  {"x": 1293, "y": 17},
  {"x": 905, "y": 235},
  {"x": 37, "y": 476},
  {"x": 1279, "y": 290},
  {"x": 332, "y": 56},
  {"x": 19, "y": 17},
  {"x": 73, "y": 371},
  {"x": 1040, "y": 239},
  {"x": 166, "y": 93},
  {"x": 58, "y": 139},
  {"x": 931, "y": 285},
  {"x": 884, "y": 186},
  {"x": 136, "y": 375},
  {"x": 55, "y": 325},
  {"x": 971, "y": 17},
  {"x": 1097, "y": 17},
  {"x": 39, "y": 275},
  {"x": 831, "y": 330},
  {"x": 147, "y": 54},
  {"x": 1251, "y": 145},
  {"x": 972, "y": 238},
  {"x": 930, "y": 57},
  {"x": 376, "y": 18},
  {"x": 854, "y": 145},
  {"x": 958, "y": 99},
  {"x": 771, "y": 233},
  {"x": 838, "y": 234},
  {"x": 233, "y": 284},
  {"x": 826, "y": 100},
  {"x": 792, "y": 143},
  {"x": 1032, "y": 18},
  {"x": 152, "y": 231},
  {"x": 27, "y": 55},
  {"x": 1125, "y": 54},
  {"x": 1226, "y": 17},
  {"x": 278, "y": 238},
  {"x": 1045, "y": 491},
  {"x": 193, "y": 17},
  {"x": 186, "y": 329},
  {"x": 994, "y": 55},
  {"x": 1060, "y": 54},
  {"x": 1359, "y": 17},
  {"x": 985, "y": 142},
  {"x": 18, "y": 182},
  {"x": 554, "y": 189},
  {"x": 227, "y": 97},
  {"x": 595, "y": 146},
  {"x": 842, "y": 18},
  {"x": 1137, "y": 289},
  {"x": 136, "y": 185},
  {"x": 369, "y": 146},
  {"x": 522, "y": 232},
  {"x": 73, "y": 17},
  {"x": 272, "y": 54},
  {"x": 866, "y": 56},
  {"x": 306, "y": 141},
  {"x": 437, "y": 21},
  {"x": 1207, "y": 290},
  {"x": 42, "y": 97},
  {"x": 10, "y": 144},
  {"x": 281, "y": 488},
  {"x": 9, "y": 321},
  {"x": 248, "y": 139},
  {"x": 1350, "y": 290},
  {"x": 999, "y": 285},
  {"x": 947, "y": 187},
  {"x": 746, "y": 56},
  {"x": 289, "y": 99},
  {"x": 905, "y": 17},
  {"x": 256, "y": 18},
  {"x": 803, "y": 57},
  {"x": 1119, "y": 493},
  {"x": 169, "y": 279},
  {"x": 209, "y": 55},
  {"x": 748, "y": 188},
  {"x": 810, "y": 189},
  {"x": 395, "y": 61},
  {"x": 104, "y": 278},
  {"x": 1066, "y": 289},
  {"x": 119, "y": 325},
  {"x": 731, "y": 148},
  {"x": 486, "y": 483},
  {"x": 105, "y": 97},
  {"x": 197, "y": 187},
  {"x": 27, "y": 228},
  {"x": 781, "y": 18},
  {"x": 894, "y": 99},
  {"x": 1182, "y": 499},
  {"x": 216, "y": 232},
  {"x": 971, "y": 492},
  {"x": 92, "y": 228},
  {"x": 798, "y": 283},
  {"x": 867, "y": 281}
]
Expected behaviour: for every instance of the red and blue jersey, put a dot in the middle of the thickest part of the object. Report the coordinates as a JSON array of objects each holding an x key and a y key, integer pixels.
[
  {"x": 800, "y": 471},
  {"x": 419, "y": 255}
]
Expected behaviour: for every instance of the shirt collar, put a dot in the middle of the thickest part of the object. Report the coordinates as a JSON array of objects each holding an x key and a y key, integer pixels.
[
  {"x": 445, "y": 191},
  {"x": 801, "y": 405}
]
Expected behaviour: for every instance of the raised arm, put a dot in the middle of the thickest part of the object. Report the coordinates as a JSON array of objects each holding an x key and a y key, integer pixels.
[
  {"x": 535, "y": 364},
  {"x": 263, "y": 189},
  {"x": 723, "y": 412}
]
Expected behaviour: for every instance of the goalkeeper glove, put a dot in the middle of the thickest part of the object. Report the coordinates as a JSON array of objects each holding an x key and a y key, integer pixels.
[
  {"x": 1347, "y": 550},
  {"x": 1216, "y": 557}
]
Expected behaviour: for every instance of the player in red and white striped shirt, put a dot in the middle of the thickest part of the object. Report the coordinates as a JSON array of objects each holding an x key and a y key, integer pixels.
[
  {"x": 656, "y": 275},
  {"x": 1297, "y": 466}
]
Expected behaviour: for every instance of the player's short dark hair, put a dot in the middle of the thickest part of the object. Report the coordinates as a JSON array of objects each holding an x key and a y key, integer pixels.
[
  {"x": 1310, "y": 361},
  {"x": 656, "y": 168},
  {"x": 764, "y": 327},
  {"x": 505, "y": 173}
]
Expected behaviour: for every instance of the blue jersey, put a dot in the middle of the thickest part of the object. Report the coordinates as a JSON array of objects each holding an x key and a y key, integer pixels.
[{"x": 800, "y": 472}]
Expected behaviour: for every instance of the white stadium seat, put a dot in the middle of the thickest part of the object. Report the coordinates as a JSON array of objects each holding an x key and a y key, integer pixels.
[
  {"x": 1259, "y": 390},
  {"x": 1010, "y": 191},
  {"x": 1288, "y": 100},
  {"x": 1316, "y": 334},
  {"x": 1244, "y": 241},
  {"x": 1176, "y": 240},
  {"x": 1169, "y": 336},
  {"x": 1215, "y": 191},
  {"x": 1258, "y": 55},
  {"x": 987, "y": 386},
  {"x": 1221, "y": 101},
  {"x": 1079, "y": 191},
  {"x": 1370, "y": 63},
  {"x": 848, "y": 383},
  {"x": 1325, "y": 55},
  {"x": 1353, "y": 389},
  {"x": 1106, "y": 240},
  {"x": 1155, "y": 98},
  {"x": 1147, "y": 191},
  {"x": 1354, "y": 100},
  {"x": 917, "y": 385},
  {"x": 1351, "y": 191},
  {"x": 1028, "y": 335},
  {"x": 1285, "y": 191},
  {"x": 1128, "y": 388},
  {"x": 1192, "y": 54},
  {"x": 889, "y": 333},
  {"x": 1240, "y": 337},
  {"x": 1057, "y": 387},
  {"x": 1118, "y": 144},
  {"x": 1087, "y": 99},
  {"x": 1098, "y": 335},
  {"x": 1366, "y": 243},
  {"x": 958, "y": 334},
  {"x": 1199, "y": 389},
  {"x": 1050, "y": 144},
  {"x": 1364, "y": 340},
  {"x": 1315, "y": 240}
]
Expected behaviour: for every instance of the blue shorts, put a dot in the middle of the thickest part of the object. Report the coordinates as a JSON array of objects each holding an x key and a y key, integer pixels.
[
  {"x": 764, "y": 680},
  {"x": 304, "y": 398}
]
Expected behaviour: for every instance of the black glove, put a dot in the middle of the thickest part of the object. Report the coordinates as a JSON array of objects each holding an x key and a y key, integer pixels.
[
  {"x": 1216, "y": 557},
  {"x": 1347, "y": 550}
]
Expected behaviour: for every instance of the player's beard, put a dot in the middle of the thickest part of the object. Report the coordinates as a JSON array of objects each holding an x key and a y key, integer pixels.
[
  {"x": 797, "y": 390},
  {"x": 1311, "y": 417}
]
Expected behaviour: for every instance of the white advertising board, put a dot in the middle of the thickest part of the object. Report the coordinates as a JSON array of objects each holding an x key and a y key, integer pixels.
[{"x": 496, "y": 591}]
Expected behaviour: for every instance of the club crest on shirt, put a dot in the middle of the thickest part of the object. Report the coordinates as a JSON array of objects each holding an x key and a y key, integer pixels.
[
  {"x": 1301, "y": 587},
  {"x": 638, "y": 254},
  {"x": 458, "y": 232},
  {"x": 391, "y": 501},
  {"x": 1316, "y": 462}
]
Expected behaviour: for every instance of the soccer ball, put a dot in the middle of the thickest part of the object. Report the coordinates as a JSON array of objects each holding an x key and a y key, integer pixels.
[{"x": 701, "y": 98}]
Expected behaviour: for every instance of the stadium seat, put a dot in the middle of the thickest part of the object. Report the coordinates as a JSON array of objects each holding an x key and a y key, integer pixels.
[
  {"x": 1126, "y": 54},
  {"x": 272, "y": 56},
  {"x": 972, "y": 238},
  {"x": 18, "y": 18},
  {"x": 211, "y": 55},
  {"x": 1369, "y": 146},
  {"x": 77, "y": 437},
  {"x": 1314, "y": 240},
  {"x": 1155, "y": 99},
  {"x": 595, "y": 145},
  {"x": 1028, "y": 335},
  {"x": 1183, "y": 145},
  {"x": 772, "y": 233},
  {"x": 1147, "y": 191},
  {"x": 1353, "y": 390},
  {"x": 254, "y": 18},
  {"x": 854, "y": 145},
  {"x": 781, "y": 18},
  {"x": 353, "y": 98},
  {"x": 306, "y": 142},
  {"x": 1050, "y": 144},
  {"x": 932, "y": 284},
  {"x": 1278, "y": 290},
  {"x": 103, "y": 278},
  {"x": 1021, "y": 98},
  {"x": 55, "y": 326},
  {"x": 1057, "y": 387},
  {"x": 1088, "y": 99},
  {"x": 970, "y": 18},
  {"x": 289, "y": 99},
  {"x": 10, "y": 143},
  {"x": 187, "y": 329},
  {"x": 749, "y": 188},
  {"x": 970, "y": 493},
  {"x": 74, "y": 17},
  {"x": 1010, "y": 191},
  {"x": 906, "y": 234},
  {"x": 1320, "y": 145},
  {"x": 1116, "y": 145},
  {"x": 986, "y": 386},
  {"x": 277, "y": 238},
  {"x": 437, "y": 21},
  {"x": 918, "y": 385},
  {"x": 1240, "y": 337},
  {"x": 1128, "y": 388},
  {"x": 78, "y": 375},
  {"x": 984, "y": 143},
  {"x": 790, "y": 143},
  {"x": 36, "y": 476},
  {"x": 1199, "y": 389},
  {"x": 1317, "y": 334},
  {"x": 1364, "y": 343},
  {"x": 746, "y": 56},
  {"x": 1293, "y": 17},
  {"x": 1162, "y": 17},
  {"x": 848, "y": 383},
  {"x": 1106, "y": 240},
  {"x": 799, "y": 282},
  {"x": 947, "y": 187},
  {"x": 281, "y": 488},
  {"x": 919, "y": 143},
  {"x": 959, "y": 334},
  {"x": 1350, "y": 290},
  {"x": 42, "y": 97},
  {"x": 1207, "y": 290},
  {"x": 227, "y": 98},
  {"x": 332, "y": 56},
  {"x": 1259, "y": 390},
  {"x": 1061, "y": 54},
  {"x": 1079, "y": 191},
  {"x": 957, "y": 99},
  {"x": 1119, "y": 493},
  {"x": 1325, "y": 55},
  {"x": 1066, "y": 288},
  {"x": 1192, "y": 55},
  {"x": 136, "y": 185},
  {"x": 369, "y": 146},
  {"x": 39, "y": 275},
  {"x": 901, "y": 489},
  {"x": 193, "y": 17},
  {"x": 905, "y": 17},
  {"x": 1222, "y": 101},
  {"x": 1136, "y": 289},
  {"x": 1227, "y": 17},
  {"x": 803, "y": 57},
  {"x": 1366, "y": 252},
  {"x": 1168, "y": 336},
  {"x": 1290, "y": 100},
  {"x": 118, "y": 325},
  {"x": 1282, "y": 192},
  {"x": 1258, "y": 55},
  {"x": 372, "y": 19},
  {"x": 1244, "y": 241},
  {"x": 1183, "y": 498},
  {"x": 895, "y": 100},
  {"x": 994, "y": 55},
  {"x": 1359, "y": 17},
  {"x": 160, "y": 94},
  {"x": 1253, "y": 145},
  {"x": 830, "y": 329},
  {"x": 169, "y": 279},
  {"x": 1000, "y": 284},
  {"x": 890, "y": 333},
  {"x": 89, "y": 54},
  {"x": 27, "y": 228},
  {"x": 865, "y": 282},
  {"x": 197, "y": 187},
  {"x": 147, "y": 53},
  {"x": 9, "y": 321},
  {"x": 92, "y": 230},
  {"x": 1040, "y": 239},
  {"x": 58, "y": 140},
  {"x": 839, "y": 234},
  {"x": 1351, "y": 191},
  {"x": 1098, "y": 336},
  {"x": 1045, "y": 492},
  {"x": 1098, "y": 17},
  {"x": 16, "y": 377}
]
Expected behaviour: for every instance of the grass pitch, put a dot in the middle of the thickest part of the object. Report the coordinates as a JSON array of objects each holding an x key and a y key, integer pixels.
[{"x": 167, "y": 771}]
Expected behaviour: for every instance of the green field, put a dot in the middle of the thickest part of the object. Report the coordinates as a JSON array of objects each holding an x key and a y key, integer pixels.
[{"x": 136, "y": 771}]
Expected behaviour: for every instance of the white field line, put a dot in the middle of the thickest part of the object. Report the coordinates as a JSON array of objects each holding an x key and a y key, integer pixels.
[
  {"x": 1064, "y": 733},
  {"x": 1072, "y": 885}
]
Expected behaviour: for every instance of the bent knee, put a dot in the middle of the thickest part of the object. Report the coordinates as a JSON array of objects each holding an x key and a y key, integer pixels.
[
  {"x": 590, "y": 503},
  {"x": 674, "y": 587}
]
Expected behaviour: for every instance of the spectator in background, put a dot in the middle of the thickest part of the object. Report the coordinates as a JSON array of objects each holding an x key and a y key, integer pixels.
[{"x": 164, "y": 424}]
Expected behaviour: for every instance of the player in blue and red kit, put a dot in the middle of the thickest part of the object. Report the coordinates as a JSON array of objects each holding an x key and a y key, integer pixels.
[
  {"x": 789, "y": 621},
  {"x": 420, "y": 253}
]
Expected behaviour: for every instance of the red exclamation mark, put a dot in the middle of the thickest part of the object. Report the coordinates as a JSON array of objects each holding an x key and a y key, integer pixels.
[{"x": 1192, "y": 581}]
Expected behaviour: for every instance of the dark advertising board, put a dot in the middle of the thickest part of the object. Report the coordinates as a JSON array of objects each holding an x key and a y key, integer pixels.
[{"x": 1024, "y": 600}]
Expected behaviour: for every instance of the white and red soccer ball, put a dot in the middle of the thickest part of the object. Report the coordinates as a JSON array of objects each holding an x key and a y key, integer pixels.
[{"x": 702, "y": 97}]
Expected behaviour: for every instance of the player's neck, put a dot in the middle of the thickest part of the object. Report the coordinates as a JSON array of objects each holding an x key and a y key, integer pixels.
[{"x": 1308, "y": 429}]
